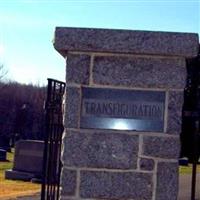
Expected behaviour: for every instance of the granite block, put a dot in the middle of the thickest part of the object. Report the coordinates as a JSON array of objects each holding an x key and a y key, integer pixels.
[
  {"x": 72, "y": 107},
  {"x": 28, "y": 156},
  {"x": 18, "y": 175},
  {"x": 175, "y": 112},
  {"x": 116, "y": 185},
  {"x": 147, "y": 164},
  {"x": 68, "y": 182},
  {"x": 145, "y": 72},
  {"x": 167, "y": 181},
  {"x": 78, "y": 69},
  {"x": 100, "y": 150},
  {"x": 125, "y": 41},
  {"x": 162, "y": 147}
]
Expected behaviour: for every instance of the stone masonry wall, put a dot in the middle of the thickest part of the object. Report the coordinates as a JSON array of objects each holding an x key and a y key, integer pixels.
[{"x": 114, "y": 164}]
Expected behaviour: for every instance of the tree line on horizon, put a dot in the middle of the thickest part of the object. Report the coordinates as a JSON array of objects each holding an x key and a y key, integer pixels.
[{"x": 21, "y": 111}]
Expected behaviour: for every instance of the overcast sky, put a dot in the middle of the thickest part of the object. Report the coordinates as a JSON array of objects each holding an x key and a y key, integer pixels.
[{"x": 27, "y": 28}]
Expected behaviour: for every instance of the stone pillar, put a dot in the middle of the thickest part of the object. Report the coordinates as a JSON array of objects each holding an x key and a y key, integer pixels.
[{"x": 118, "y": 68}]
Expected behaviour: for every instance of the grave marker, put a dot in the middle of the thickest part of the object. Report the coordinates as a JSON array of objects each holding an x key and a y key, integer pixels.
[{"x": 28, "y": 160}]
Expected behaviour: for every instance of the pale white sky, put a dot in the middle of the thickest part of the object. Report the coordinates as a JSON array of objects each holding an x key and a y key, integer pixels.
[{"x": 27, "y": 28}]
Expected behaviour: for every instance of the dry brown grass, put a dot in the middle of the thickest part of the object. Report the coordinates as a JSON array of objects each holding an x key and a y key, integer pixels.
[{"x": 12, "y": 188}]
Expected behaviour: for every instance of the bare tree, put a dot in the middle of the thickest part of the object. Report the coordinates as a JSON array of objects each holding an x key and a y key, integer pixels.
[{"x": 3, "y": 72}]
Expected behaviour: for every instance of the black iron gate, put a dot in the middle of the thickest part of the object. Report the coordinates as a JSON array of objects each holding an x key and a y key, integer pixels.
[
  {"x": 54, "y": 129},
  {"x": 190, "y": 135}
]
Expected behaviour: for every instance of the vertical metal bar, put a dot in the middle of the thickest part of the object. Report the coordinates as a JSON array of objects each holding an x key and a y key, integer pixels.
[
  {"x": 57, "y": 142},
  {"x": 49, "y": 176},
  {"x": 51, "y": 164},
  {"x": 47, "y": 119},
  {"x": 195, "y": 160},
  {"x": 60, "y": 164},
  {"x": 59, "y": 139},
  {"x": 194, "y": 171},
  {"x": 54, "y": 161},
  {"x": 57, "y": 145}
]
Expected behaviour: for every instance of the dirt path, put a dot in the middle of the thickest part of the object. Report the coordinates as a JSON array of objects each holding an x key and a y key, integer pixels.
[{"x": 185, "y": 187}]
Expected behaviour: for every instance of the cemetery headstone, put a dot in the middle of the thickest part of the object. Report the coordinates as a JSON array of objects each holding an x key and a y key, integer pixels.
[{"x": 28, "y": 160}]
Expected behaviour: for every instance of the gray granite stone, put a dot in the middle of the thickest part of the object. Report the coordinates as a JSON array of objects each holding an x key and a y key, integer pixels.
[
  {"x": 167, "y": 181},
  {"x": 125, "y": 41},
  {"x": 155, "y": 60},
  {"x": 116, "y": 185},
  {"x": 147, "y": 164},
  {"x": 140, "y": 72},
  {"x": 68, "y": 182},
  {"x": 100, "y": 150},
  {"x": 18, "y": 175},
  {"x": 72, "y": 107},
  {"x": 28, "y": 160},
  {"x": 163, "y": 147},
  {"x": 78, "y": 69},
  {"x": 29, "y": 156},
  {"x": 175, "y": 112}
]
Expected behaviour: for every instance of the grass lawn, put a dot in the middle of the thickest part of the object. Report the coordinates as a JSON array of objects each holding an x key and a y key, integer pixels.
[
  {"x": 188, "y": 169},
  {"x": 10, "y": 188}
]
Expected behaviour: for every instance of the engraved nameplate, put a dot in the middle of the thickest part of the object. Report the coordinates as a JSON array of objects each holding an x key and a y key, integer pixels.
[{"x": 122, "y": 109}]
